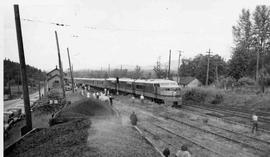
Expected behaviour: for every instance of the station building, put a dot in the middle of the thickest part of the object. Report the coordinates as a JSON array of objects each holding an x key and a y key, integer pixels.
[{"x": 53, "y": 81}]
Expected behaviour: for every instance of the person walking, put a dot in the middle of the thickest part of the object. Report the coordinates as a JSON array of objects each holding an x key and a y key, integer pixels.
[
  {"x": 183, "y": 152},
  {"x": 133, "y": 118},
  {"x": 255, "y": 122}
]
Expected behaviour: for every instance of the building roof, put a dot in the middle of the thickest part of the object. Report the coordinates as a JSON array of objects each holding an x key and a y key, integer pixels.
[
  {"x": 53, "y": 70},
  {"x": 64, "y": 74},
  {"x": 186, "y": 80},
  {"x": 53, "y": 77}
]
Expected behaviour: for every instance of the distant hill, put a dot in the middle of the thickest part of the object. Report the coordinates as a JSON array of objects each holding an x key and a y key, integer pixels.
[{"x": 12, "y": 73}]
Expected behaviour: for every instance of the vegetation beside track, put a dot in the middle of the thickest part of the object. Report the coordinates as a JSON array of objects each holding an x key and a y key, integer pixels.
[{"x": 237, "y": 98}]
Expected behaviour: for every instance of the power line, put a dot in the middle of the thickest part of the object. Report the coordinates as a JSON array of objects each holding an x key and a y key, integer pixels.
[{"x": 90, "y": 27}]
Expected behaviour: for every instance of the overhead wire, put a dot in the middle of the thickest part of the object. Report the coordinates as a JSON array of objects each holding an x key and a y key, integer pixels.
[{"x": 92, "y": 27}]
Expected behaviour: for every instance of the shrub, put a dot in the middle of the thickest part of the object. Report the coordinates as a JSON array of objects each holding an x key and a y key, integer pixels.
[
  {"x": 194, "y": 95},
  {"x": 54, "y": 94},
  {"x": 217, "y": 99},
  {"x": 202, "y": 96},
  {"x": 246, "y": 81},
  {"x": 226, "y": 82}
]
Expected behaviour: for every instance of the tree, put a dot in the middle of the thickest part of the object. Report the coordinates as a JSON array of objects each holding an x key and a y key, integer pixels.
[
  {"x": 238, "y": 64},
  {"x": 242, "y": 31},
  {"x": 160, "y": 73},
  {"x": 241, "y": 58},
  {"x": 137, "y": 72},
  {"x": 261, "y": 35},
  {"x": 197, "y": 67},
  {"x": 251, "y": 43}
]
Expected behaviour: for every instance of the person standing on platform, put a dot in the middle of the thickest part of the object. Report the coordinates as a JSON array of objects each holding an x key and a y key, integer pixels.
[
  {"x": 183, "y": 152},
  {"x": 142, "y": 98},
  {"x": 133, "y": 99},
  {"x": 254, "y": 122},
  {"x": 97, "y": 95},
  {"x": 111, "y": 100},
  {"x": 133, "y": 118}
]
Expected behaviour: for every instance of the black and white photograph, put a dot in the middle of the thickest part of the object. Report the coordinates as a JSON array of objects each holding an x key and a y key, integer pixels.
[{"x": 135, "y": 78}]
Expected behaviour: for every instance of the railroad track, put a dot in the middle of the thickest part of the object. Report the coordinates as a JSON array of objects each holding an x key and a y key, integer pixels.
[
  {"x": 235, "y": 132},
  {"x": 257, "y": 145},
  {"x": 232, "y": 112},
  {"x": 183, "y": 138},
  {"x": 261, "y": 128},
  {"x": 247, "y": 141}
]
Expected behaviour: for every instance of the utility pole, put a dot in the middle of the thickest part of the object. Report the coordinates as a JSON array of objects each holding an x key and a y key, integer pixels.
[
  {"x": 207, "y": 73},
  {"x": 109, "y": 71},
  {"x": 39, "y": 94},
  {"x": 257, "y": 66},
  {"x": 60, "y": 66},
  {"x": 9, "y": 86},
  {"x": 18, "y": 79},
  {"x": 169, "y": 64},
  {"x": 178, "y": 67},
  {"x": 23, "y": 69},
  {"x": 71, "y": 72},
  {"x": 45, "y": 86},
  {"x": 217, "y": 74},
  {"x": 121, "y": 72}
]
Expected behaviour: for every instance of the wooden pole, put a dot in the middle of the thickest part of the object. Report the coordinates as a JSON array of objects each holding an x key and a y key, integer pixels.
[
  {"x": 217, "y": 80},
  {"x": 45, "y": 86},
  {"x": 23, "y": 69},
  {"x": 71, "y": 73},
  {"x": 109, "y": 71},
  {"x": 207, "y": 72},
  {"x": 257, "y": 66},
  {"x": 169, "y": 70},
  {"x": 39, "y": 94},
  {"x": 178, "y": 68},
  {"x": 60, "y": 66}
]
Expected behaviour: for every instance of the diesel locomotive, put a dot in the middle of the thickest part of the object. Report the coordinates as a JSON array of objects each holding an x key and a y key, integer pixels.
[{"x": 158, "y": 90}]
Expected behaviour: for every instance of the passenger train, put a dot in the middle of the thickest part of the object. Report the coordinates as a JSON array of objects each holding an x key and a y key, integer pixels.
[{"x": 158, "y": 90}]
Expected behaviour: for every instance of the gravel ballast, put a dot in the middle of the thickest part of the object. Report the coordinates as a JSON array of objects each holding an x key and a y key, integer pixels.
[{"x": 95, "y": 130}]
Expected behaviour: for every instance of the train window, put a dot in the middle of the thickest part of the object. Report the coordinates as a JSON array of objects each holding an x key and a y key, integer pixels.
[{"x": 139, "y": 86}]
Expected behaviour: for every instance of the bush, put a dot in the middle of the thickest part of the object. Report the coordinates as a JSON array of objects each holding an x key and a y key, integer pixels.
[
  {"x": 217, "y": 99},
  {"x": 194, "y": 95},
  {"x": 54, "y": 94},
  {"x": 246, "y": 81},
  {"x": 202, "y": 96},
  {"x": 226, "y": 82}
]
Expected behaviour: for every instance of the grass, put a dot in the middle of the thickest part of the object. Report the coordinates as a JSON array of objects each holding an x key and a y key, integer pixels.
[{"x": 244, "y": 97}]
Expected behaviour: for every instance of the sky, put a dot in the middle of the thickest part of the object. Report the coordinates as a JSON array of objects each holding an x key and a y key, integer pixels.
[{"x": 121, "y": 32}]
